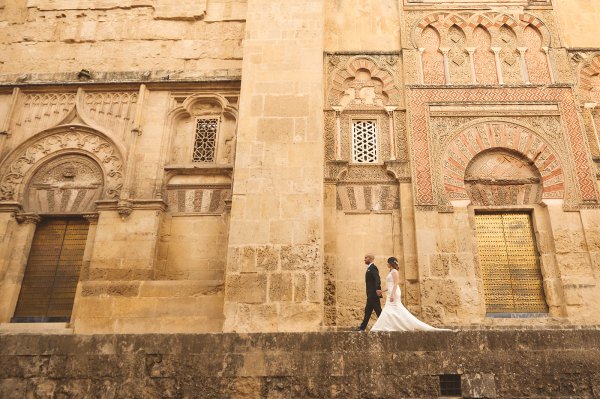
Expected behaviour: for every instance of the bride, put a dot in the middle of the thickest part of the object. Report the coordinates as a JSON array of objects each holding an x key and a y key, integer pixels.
[{"x": 395, "y": 317}]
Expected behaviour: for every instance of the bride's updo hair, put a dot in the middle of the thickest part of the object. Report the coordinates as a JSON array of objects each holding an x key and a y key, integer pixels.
[{"x": 394, "y": 262}]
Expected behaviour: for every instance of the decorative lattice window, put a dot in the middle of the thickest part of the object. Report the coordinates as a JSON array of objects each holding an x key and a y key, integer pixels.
[
  {"x": 364, "y": 141},
  {"x": 206, "y": 140}
]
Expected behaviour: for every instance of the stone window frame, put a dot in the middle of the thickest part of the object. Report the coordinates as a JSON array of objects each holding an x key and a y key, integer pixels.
[
  {"x": 197, "y": 119},
  {"x": 378, "y": 140}
]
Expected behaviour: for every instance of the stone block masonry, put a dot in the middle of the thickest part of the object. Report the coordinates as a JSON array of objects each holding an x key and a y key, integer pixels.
[{"x": 490, "y": 364}]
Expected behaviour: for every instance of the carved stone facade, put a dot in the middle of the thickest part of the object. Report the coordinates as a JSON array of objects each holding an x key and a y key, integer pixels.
[{"x": 234, "y": 169}]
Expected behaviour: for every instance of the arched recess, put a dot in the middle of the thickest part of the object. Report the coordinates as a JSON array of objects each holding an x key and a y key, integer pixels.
[
  {"x": 458, "y": 57},
  {"x": 500, "y": 137},
  {"x": 509, "y": 55},
  {"x": 86, "y": 146},
  {"x": 69, "y": 183},
  {"x": 184, "y": 124},
  {"x": 483, "y": 57},
  {"x": 498, "y": 177},
  {"x": 432, "y": 58},
  {"x": 537, "y": 61}
]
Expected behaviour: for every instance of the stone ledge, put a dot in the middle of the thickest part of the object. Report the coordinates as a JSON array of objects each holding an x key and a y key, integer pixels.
[
  {"x": 36, "y": 328},
  {"x": 491, "y": 364}
]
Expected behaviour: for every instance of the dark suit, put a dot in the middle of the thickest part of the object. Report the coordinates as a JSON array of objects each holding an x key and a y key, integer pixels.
[{"x": 372, "y": 284}]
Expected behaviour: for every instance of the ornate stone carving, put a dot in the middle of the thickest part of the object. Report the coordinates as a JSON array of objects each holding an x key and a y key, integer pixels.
[
  {"x": 40, "y": 111},
  {"x": 424, "y": 141},
  {"x": 84, "y": 141},
  {"x": 458, "y": 57},
  {"x": 114, "y": 111},
  {"x": 433, "y": 60},
  {"x": 509, "y": 55},
  {"x": 498, "y": 177},
  {"x": 537, "y": 60},
  {"x": 363, "y": 81},
  {"x": 25, "y": 218},
  {"x": 367, "y": 198},
  {"x": 124, "y": 208},
  {"x": 198, "y": 199},
  {"x": 110, "y": 110},
  {"x": 496, "y": 47},
  {"x": 472, "y": 141},
  {"x": 483, "y": 57},
  {"x": 67, "y": 184}
]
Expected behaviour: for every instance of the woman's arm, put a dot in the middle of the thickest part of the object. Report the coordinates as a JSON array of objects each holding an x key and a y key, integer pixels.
[{"x": 396, "y": 281}]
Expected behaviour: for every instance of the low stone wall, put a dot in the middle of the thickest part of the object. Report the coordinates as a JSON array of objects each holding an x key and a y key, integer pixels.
[{"x": 491, "y": 364}]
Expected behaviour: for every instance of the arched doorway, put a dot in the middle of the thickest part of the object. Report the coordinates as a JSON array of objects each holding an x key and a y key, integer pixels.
[
  {"x": 61, "y": 190},
  {"x": 507, "y": 251}
]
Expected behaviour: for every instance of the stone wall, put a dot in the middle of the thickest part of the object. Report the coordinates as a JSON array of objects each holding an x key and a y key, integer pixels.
[
  {"x": 275, "y": 257},
  {"x": 490, "y": 364},
  {"x": 162, "y": 37}
]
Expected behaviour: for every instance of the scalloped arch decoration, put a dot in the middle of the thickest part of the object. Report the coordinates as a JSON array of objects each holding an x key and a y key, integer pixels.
[
  {"x": 492, "y": 21},
  {"x": 381, "y": 74}
]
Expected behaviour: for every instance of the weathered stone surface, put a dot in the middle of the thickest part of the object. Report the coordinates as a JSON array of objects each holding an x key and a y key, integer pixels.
[{"x": 502, "y": 364}]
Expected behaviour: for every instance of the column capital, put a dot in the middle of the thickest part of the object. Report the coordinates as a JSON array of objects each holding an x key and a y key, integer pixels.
[
  {"x": 92, "y": 218},
  {"x": 26, "y": 218}
]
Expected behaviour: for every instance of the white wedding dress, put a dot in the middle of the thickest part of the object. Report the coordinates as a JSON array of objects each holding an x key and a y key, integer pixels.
[{"x": 395, "y": 317}]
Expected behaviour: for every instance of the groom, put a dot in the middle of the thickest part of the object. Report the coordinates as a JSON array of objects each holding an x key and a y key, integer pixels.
[{"x": 373, "y": 285}]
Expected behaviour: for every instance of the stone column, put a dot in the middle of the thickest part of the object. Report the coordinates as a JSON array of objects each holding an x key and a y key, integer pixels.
[
  {"x": 496, "y": 51},
  {"x": 274, "y": 275},
  {"x": 523, "y": 64},
  {"x": 445, "y": 51}
]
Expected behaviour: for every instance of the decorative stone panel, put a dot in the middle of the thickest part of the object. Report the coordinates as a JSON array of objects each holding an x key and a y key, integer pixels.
[
  {"x": 363, "y": 80},
  {"x": 476, "y": 139},
  {"x": 366, "y": 198},
  {"x": 198, "y": 200},
  {"x": 67, "y": 184},
  {"x": 471, "y": 47},
  {"x": 499, "y": 177},
  {"x": 15, "y": 169},
  {"x": 113, "y": 111},
  {"x": 423, "y": 142}
]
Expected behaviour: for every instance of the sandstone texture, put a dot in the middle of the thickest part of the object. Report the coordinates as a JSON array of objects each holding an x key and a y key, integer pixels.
[{"x": 490, "y": 364}]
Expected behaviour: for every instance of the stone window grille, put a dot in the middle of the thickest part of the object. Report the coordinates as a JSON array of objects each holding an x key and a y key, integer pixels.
[
  {"x": 205, "y": 142},
  {"x": 364, "y": 141}
]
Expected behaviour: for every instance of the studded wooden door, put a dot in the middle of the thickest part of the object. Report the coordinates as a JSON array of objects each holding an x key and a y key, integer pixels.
[
  {"x": 512, "y": 279},
  {"x": 52, "y": 272}
]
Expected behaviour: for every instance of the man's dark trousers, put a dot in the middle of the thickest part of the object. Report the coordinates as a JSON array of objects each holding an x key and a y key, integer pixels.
[
  {"x": 373, "y": 304},
  {"x": 372, "y": 284}
]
